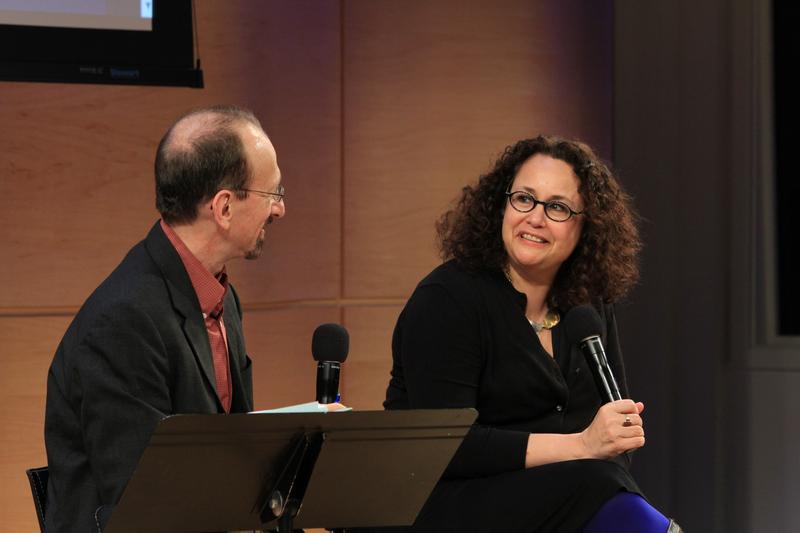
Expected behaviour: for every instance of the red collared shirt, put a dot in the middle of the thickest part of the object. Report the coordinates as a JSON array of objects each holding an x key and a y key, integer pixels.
[{"x": 210, "y": 290}]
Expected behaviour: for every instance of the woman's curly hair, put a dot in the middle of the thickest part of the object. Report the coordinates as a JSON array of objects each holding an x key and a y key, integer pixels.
[{"x": 604, "y": 265}]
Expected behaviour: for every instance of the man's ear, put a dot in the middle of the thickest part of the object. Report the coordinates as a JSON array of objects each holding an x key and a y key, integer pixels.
[{"x": 222, "y": 207}]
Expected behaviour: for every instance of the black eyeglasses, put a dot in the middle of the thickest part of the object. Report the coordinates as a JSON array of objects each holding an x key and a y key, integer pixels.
[
  {"x": 279, "y": 195},
  {"x": 525, "y": 202}
]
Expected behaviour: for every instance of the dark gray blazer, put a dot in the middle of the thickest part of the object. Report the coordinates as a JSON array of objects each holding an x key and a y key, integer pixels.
[{"x": 137, "y": 351}]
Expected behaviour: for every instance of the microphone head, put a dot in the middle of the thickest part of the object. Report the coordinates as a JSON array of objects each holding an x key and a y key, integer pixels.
[
  {"x": 581, "y": 322},
  {"x": 330, "y": 343}
]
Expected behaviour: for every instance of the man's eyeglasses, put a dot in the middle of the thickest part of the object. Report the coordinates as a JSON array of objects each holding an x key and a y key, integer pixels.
[
  {"x": 525, "y": 202},
  {"x": 279, "y": 194}
]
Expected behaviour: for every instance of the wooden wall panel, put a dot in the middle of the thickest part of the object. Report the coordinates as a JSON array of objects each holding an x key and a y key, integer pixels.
[
  {"x": 27, "y": 348},
  {"x": 76, "y": 176},
  {"x": 365, "y": 374},
  {"x": 284, "y": 58},
  {"x": 433, "y": 91}
]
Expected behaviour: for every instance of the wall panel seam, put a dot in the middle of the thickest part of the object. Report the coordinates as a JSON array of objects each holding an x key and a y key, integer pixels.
[{"x": 54, "y": 311}]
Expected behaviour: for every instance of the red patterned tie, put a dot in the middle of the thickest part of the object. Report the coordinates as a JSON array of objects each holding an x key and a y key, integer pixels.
[{"x": 219, "y": 354}]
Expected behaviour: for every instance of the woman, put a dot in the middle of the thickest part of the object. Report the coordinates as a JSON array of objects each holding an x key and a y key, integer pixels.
[{"x": 548, "y": 229}]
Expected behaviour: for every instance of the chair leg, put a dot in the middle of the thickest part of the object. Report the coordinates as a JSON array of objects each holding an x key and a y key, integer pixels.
[{"x": 38, "y": 478}]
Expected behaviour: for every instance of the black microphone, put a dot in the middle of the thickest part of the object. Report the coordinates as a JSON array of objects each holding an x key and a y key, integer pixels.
[
  {"x": 329, "y": 346},
  {"x": 583, "y": 325}
]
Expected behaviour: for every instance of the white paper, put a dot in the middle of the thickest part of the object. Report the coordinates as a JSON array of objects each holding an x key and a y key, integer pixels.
[{"x": 310, "y": 407}]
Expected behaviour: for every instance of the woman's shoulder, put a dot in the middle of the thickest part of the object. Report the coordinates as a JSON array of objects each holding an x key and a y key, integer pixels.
[
  {"x": 452, "y": 284},
  {"x": 450, "y": 291},
  {"x": 452, "y": 276}
]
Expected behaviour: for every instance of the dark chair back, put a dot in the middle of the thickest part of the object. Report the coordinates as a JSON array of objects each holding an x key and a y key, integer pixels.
[{"x": 38, "y": 479}]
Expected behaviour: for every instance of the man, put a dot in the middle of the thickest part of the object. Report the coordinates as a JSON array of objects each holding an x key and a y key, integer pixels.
[{"x": 162, "y": 334}]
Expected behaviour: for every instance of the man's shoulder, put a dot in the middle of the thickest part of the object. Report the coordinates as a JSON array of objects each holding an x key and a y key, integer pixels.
[
  {"x": 136, "y": 282},
  {"x": 133, "y": 296}
]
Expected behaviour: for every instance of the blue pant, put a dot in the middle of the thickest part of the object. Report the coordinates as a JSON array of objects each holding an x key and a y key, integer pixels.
[{"x": 627, "y": 513}]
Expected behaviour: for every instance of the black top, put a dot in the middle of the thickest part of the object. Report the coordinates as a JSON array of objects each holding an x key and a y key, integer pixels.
[{"x": 463, "y": 341}]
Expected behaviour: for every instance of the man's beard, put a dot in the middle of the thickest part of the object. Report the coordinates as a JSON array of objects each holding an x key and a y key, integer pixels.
[{"x": 256, "y": 251}]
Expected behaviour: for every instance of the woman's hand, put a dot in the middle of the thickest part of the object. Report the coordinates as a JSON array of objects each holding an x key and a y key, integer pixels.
[{"x": 616, "y": 429}]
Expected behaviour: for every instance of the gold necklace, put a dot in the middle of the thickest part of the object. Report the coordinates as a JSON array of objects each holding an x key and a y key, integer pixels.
[{"x": 551, "y": 318}]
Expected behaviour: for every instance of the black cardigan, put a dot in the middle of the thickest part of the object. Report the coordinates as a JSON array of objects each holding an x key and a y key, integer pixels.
[{"x": 463, "y": 341}]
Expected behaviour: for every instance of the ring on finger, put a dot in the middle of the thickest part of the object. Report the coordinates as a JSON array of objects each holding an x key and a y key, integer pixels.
[{"x": 627, "y": 422}]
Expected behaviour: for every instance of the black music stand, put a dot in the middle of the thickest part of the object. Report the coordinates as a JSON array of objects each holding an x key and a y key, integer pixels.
[{"x": 266, "y": 471}]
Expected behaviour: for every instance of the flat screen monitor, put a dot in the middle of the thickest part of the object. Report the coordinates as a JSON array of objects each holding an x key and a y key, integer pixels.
[{"x": 140, "y": 42}]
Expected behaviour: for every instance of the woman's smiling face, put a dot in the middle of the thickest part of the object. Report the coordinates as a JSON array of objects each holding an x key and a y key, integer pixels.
[{"x": 537, "y": 246}]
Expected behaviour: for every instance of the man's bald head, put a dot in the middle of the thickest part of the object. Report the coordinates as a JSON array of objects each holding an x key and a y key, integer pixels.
[{"x": 199, "y": 155}]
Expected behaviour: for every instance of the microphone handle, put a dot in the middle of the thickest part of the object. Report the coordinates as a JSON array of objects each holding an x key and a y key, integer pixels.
[
  {"x": 601, "y": 354},
  {"x": 613, "y": 383},
  {"x": 327, "y": 381},
  {"x": 592, "y": 348}
]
